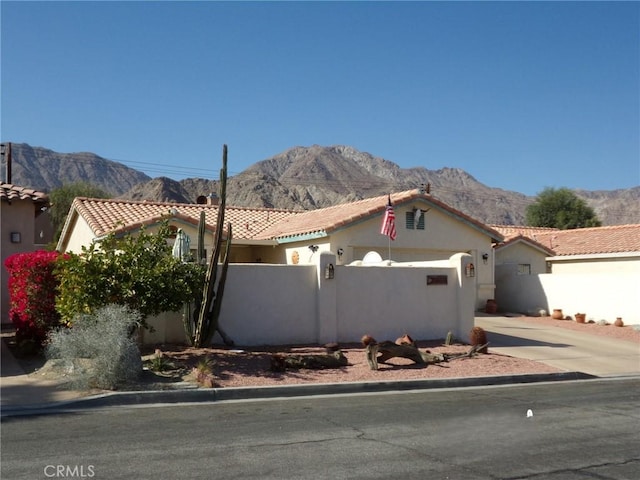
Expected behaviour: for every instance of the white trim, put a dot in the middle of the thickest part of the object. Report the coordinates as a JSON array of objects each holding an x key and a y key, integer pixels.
[
  {"x": 595, "y": 256},
  {"x": 249, "y": 241}
]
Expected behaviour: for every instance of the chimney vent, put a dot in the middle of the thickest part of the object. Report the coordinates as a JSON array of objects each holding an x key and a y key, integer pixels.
[{"x": 211, "y": 199}]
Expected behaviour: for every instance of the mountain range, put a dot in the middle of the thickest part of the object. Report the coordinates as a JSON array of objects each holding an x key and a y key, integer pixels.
[{"x": 303, "y": 178}]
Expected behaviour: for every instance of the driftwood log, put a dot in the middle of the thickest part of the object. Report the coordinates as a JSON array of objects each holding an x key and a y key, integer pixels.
[
  {"x": 281, "y": 362},
  {"x": 383, "y": 351}
]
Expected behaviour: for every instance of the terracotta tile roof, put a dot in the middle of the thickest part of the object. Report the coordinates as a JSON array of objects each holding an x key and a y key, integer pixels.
[
  {"x": 523, "y": 238},
  {"x": 592, "y": 241},
  {"x": 107, "y": 215},
  {"x": 10, "y": 192},
  {"x": 512, "y": 231},
  {"x": 326, "y": 220}
]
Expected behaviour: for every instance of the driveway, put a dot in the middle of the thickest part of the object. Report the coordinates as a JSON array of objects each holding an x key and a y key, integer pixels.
[{"x": 561, "y": 348}]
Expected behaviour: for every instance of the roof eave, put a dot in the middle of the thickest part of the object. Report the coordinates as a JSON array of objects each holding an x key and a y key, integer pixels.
[
  {"x": 301, "y": 238},
  {"x": 592, "y": 256}
]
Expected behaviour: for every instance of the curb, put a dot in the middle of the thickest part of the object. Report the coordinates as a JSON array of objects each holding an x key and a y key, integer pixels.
[{"x": 202, "y": 395}]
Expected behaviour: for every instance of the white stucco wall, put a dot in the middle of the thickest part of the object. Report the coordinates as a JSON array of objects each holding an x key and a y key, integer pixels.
[
  {"x": 521, "y": 253},
  {"x": 296, "y": 304},
  {"x": 599, "y": 295},
  {"x": 609, "y": 263}
]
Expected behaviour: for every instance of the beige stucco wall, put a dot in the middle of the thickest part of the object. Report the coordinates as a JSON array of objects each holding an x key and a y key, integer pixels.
[
  {"x": 17, "y": 216},
  {"x": 601, "y": 295},
  {"x": 612, "y": 263},
  {"x": 82, "y": 236},
  {"x": 521, "y": 253},
  {"x": 293, "y": 304}
]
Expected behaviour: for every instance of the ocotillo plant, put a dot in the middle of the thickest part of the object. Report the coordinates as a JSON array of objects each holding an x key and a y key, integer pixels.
[{"x": 209, "y": 311}]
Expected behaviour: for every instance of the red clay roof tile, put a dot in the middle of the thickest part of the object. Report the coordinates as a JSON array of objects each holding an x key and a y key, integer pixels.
[
  {"x": 591, "y": 241},
  {"x": 107, "y": 215},
  {"x": 10, "y": 192},
  {"x": 580, "y": 241}
]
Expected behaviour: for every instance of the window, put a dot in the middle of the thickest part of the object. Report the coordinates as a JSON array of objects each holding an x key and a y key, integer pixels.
[
  {"x": 411, "y": 220},
  {"x": 524, "y": 269}
]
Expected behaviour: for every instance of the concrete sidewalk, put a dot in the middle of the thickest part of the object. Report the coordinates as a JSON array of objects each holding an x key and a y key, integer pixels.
[
  {"x": 17, "y": 388},
  {"x": 561, "y": 348}
]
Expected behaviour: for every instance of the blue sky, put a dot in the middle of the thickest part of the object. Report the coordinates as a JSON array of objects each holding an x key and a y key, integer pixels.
[{"x": 521, "y": 95}]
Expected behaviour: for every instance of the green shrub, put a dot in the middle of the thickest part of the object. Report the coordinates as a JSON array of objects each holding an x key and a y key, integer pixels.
[
  {"x": 99, "y": 348},
  {"x": 136, "y": 270},
  {"x": 160, "y": 363}
]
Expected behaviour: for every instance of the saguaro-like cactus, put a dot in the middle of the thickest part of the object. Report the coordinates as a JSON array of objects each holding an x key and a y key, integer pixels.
[
  {"x": 191, "y": 309},
  {"x": 200, "y": 256},
  {"x": 209, "y": 309}
]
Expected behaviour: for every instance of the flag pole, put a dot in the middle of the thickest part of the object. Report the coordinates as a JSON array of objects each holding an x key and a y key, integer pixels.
[
  {"x": 389, "y": 238},
  {"x": 389, "y": 225}
]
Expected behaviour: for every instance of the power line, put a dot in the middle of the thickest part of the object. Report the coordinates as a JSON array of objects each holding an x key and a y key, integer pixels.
[{"x": 198, "y": 172}]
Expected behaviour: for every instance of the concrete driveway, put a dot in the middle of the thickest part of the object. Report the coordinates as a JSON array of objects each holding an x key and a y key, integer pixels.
[{"x": 565, "y": 349}]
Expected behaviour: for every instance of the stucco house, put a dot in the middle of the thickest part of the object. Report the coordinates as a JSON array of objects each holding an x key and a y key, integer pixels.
[
  {"x": 587, "y": 269},
  {"x": 25, "y": 227},
  {"x": 614, "y": 248},
  {"x": 427, "y": 230}
]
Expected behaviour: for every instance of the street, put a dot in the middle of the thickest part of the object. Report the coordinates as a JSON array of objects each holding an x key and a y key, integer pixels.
[{"x": 579, "y": 429}]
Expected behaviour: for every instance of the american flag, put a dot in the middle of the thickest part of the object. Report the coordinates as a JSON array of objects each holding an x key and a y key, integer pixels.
[{"x": 389, "y": 222}]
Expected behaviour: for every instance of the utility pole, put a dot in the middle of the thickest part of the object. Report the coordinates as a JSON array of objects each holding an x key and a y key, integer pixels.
[{"x": 5, "y": 151}]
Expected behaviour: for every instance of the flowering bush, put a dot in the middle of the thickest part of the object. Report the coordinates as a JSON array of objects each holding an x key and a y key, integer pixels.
[{"x": 32, "y": 290}]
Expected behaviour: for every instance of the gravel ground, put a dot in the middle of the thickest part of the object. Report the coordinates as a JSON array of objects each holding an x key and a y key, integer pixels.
[
  {"x": 242, "y": 367},
  {"x": 251, "y": 367}
]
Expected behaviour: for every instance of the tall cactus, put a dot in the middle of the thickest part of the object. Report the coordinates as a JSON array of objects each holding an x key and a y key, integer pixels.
[
  {"x": 211, "y": 303},
  {"x": 191, "y": 309},
  {"x": 200, "y": 257}
]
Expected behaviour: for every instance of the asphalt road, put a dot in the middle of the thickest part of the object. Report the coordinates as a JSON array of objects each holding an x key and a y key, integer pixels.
[{"x": 578, "y": 430}]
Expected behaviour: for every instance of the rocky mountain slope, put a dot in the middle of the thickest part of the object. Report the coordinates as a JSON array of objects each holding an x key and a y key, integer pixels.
[
  {"x": 43, "y": 169},
  {"x": 304, "y": 178}
]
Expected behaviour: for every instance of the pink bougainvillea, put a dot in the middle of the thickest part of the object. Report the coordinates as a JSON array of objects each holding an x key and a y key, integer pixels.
[{"x": 32, "y": 290}]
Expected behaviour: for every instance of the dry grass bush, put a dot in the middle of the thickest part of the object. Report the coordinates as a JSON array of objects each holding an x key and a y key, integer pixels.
[{"x": 99, "y": 351}]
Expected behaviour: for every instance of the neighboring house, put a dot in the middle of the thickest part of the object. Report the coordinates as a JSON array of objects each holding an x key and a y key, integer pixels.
[
  {"x": 614, "y": 248},
  {"x": 25, "y": 228},
  {"x": 427, "y": 230},
  {"x": 596, "y": 270},
  {"x": 521, "y": 251}
]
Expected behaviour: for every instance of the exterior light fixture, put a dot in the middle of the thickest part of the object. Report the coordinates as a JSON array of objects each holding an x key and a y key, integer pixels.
[
  {"x": 313, "y": 248},
  {"x": 329, "y": 271},
  {"x": 485, "y": 258},
  {"x": 340, "y": 252},
  {"x": 470, "y": 270}
]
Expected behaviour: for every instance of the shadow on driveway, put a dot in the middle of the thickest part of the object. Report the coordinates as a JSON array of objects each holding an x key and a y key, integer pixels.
[{"x": 500, "y": 340}]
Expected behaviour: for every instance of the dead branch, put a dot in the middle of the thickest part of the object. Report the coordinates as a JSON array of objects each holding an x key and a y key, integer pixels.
[
  {"x": 381, "y": 352},
  {"x": 281, "y": 362}
]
